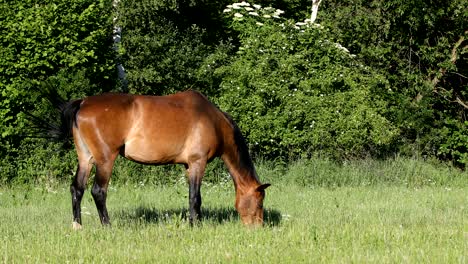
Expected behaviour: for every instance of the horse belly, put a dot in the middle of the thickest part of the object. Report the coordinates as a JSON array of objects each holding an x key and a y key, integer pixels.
[{"x": 145, "y": 151}]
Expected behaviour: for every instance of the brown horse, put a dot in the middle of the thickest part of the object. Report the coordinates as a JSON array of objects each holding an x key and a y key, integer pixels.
[{"x": 183, "y": 128}]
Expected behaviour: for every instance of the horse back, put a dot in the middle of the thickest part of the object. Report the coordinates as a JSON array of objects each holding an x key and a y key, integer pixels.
[
  {"x": 153, "y": 129},
  {"x": 178, "y": 128}
]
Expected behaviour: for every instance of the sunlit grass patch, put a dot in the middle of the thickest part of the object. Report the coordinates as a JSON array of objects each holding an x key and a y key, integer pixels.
[{"x": 384, "y": 224}]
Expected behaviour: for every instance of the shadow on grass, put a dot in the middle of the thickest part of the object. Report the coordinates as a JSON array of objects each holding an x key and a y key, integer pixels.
[{"x": 214, "y": 215}]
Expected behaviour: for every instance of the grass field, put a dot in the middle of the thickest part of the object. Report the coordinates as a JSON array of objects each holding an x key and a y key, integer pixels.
[{"x": 370, "y": 224}]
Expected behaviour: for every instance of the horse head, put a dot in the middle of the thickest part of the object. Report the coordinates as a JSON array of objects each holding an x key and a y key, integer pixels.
[{"x": 249, "y": 204}]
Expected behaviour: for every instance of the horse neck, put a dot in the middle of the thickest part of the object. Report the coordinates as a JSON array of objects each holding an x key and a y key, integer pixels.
[
  {"x": 242, "y": 170},
  {"x": 237, "y": 158}
]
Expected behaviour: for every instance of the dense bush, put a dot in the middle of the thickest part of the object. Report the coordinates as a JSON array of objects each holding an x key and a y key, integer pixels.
[
  {"x": 294, "y": 91},
  {"x": 165, "y": 43}
]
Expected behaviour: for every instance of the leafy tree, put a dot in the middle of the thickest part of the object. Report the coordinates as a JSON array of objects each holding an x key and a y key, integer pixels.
[
  {"x": 42, "y": 39},
  {"x": 421, "y": 47}
]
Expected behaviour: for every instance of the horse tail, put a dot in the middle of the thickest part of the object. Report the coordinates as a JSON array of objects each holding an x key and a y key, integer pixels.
[
  {"x": 68, "y": 111},
  {"x": 47, "y": 127}
]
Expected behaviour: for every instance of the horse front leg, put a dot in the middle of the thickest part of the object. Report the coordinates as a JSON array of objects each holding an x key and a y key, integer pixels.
[
  {"x": 195, "y": 174},
  {"x": 195, "y": 202}
]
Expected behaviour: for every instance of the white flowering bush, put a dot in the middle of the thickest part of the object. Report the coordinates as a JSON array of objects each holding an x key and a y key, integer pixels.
[
  {"x": 244, "y": 8},
  {"x": 294, "y": 91}
]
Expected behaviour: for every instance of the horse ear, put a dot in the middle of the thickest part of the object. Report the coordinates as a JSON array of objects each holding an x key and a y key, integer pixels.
[{"x": 263, "y": 187}]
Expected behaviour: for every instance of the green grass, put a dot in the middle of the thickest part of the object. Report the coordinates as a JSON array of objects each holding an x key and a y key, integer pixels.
[{"x": 363, "y": 224}]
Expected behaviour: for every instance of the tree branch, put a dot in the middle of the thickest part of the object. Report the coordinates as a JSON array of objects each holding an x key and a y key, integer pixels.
[
  {"x": 442, "y": 71},
  {"x": 453, "y": 60},
  {"x": 460, "y": 102},
  {"x": 315, "y": 6}
]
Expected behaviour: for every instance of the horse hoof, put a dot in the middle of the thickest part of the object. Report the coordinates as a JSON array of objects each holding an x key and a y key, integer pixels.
[{"x": 76, "y": 226}]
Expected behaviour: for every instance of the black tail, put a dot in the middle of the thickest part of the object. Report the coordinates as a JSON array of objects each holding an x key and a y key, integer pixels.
[
  {"x": 47, "y": 127},
  {"x": 68, "y": 112}
]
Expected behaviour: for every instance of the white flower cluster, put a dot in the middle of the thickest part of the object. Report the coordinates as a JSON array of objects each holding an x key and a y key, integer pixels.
[
  {"x": 245, "y": 8},
  {"x": 242, "y": 9},
  {"x": 307, "y": 23},
  {"x": 338, "y": 45}
]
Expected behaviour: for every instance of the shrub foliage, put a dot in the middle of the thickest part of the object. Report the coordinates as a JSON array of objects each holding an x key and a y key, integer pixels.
[
  {"x": 295, "y": 91},
  {"x": 373, "y": 79}
]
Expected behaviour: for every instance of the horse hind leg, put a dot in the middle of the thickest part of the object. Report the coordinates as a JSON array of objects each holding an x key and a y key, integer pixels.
[
  {"x": 99, "y": 191},
  {"x": 77, "y": 190}
]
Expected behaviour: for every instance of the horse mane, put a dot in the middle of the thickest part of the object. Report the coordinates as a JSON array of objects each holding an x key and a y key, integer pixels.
[{"x": 245, "y": 161}]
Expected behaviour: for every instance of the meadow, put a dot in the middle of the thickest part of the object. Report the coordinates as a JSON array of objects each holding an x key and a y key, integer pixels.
[{"x": 305, "y": 222}]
